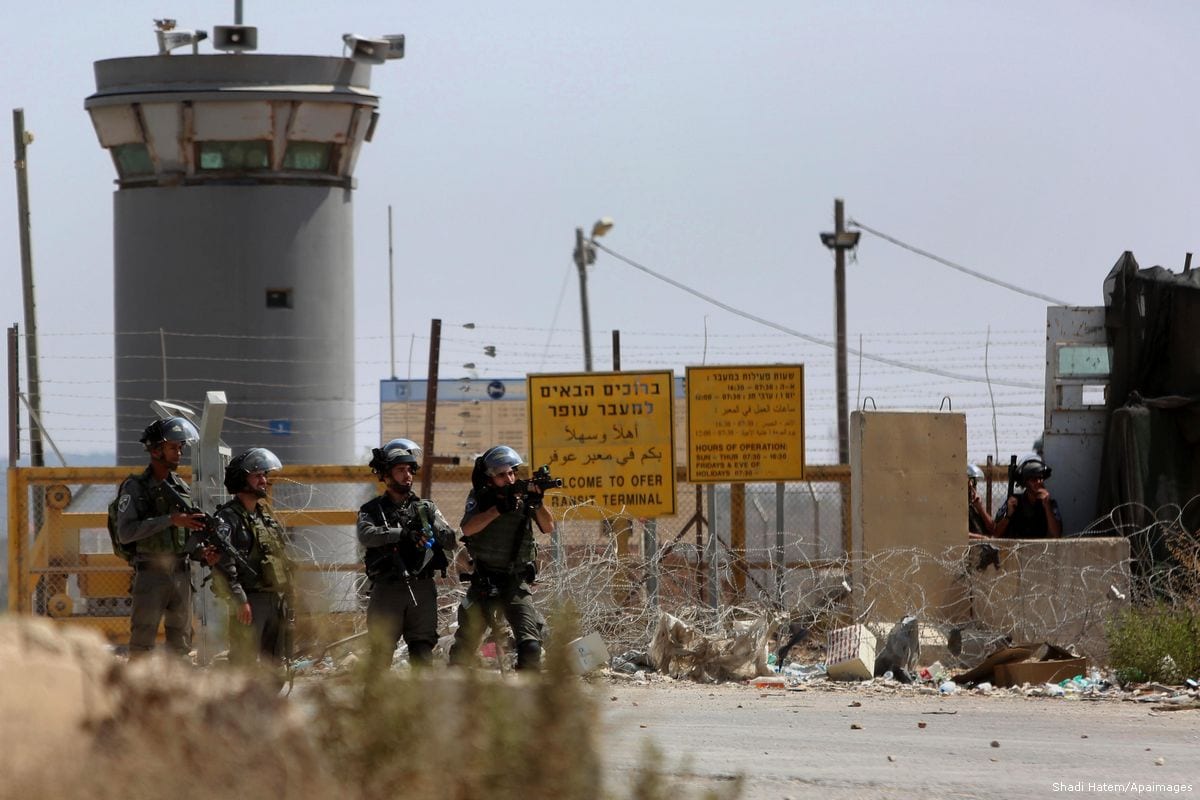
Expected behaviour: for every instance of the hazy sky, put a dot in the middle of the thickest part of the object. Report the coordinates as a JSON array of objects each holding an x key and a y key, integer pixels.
[{"x": 1033, "y": 141}]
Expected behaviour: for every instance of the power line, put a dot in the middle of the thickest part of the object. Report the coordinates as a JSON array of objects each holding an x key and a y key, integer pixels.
[
  {"x": 808, "y": 338},
  {"x": 966, "y": 270}
]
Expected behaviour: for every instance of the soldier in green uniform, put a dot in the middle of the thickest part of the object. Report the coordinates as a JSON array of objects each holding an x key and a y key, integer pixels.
[
  {"x": 406, "y": 540},
  {"x": 497, "y": 529},
  {"x": 156, "y": 528},
  {"x": 258, "y": 585}
]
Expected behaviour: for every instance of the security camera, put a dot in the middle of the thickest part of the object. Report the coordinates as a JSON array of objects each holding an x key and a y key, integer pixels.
[
  {"x": 169, "y": 40},
  {"x": 367, "y": 50},
  {"x": 395, "y": 45}
]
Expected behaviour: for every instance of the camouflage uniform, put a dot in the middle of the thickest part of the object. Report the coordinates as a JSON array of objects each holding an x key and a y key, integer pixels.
[
  {"x": 259, "y": 539},
  {"x": 504, "y": 554},
  {"x": 401, "y": 568},
  {"x": 162, "y": 582}
]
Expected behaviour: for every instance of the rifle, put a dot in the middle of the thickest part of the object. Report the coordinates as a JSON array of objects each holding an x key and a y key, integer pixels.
[
  {"x": 1012, "y": 475},
  {"x": 543, "y": 480},
  {"x": 215, "y": 532}
]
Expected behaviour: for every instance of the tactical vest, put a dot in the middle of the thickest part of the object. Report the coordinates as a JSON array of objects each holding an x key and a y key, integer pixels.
[
  {"x": 151, "y": 501},
  {"x": 506, "y": 543},
  {"x": 414, "y": 516},
  {"x": 273, "y": 572}
]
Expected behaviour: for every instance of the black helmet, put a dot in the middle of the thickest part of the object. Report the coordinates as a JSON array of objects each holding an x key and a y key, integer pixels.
[
  {"x": 1032, "y": 467},
  {"x": 171, "y": 429},
  {"x": 397, "y": 451},
  {"x": 256, "y": 459},
  {"x": 494, "y": 461},
  {"x": 409, "y": 445},
  {"x": 500, "y": 458}
]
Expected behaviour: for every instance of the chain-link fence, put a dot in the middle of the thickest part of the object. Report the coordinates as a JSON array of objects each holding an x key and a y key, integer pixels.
[{"x": 61, "y": 564}]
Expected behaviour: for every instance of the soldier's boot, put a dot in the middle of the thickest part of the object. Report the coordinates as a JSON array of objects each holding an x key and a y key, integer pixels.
[
  {"x": 420, "y": 655},
  {"x": 529, "y": 654}
]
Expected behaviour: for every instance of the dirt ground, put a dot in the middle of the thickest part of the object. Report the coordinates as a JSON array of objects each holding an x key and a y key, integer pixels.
[
  {"x": 817, "y": 739},
  {"x": 803, "y": 742}
]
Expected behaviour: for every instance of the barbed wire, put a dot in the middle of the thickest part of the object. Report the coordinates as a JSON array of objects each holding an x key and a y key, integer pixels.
[
  {"x": 621, "y": 573},
  {"x": 65, "y": 398}
]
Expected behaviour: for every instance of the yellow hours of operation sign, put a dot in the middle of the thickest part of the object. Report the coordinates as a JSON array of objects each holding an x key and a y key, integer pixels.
[
  {"x": 745, "y": 423},
  {"x": 609, "y": 436}
]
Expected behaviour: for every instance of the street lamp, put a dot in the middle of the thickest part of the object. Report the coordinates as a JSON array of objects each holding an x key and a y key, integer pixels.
[
  {"x": 585, "y": 254},
  {"x": 839, "y": 241}
]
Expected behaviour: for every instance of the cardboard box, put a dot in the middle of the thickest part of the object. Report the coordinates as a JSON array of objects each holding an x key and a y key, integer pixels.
[
  {"x": 851, "y": 654},
  {"x": 1038, "y": 672},
  {"x": 588, "y": 653}
]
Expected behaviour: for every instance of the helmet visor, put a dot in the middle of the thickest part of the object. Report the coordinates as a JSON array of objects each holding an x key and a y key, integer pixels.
[
  {"x": 260, "y": 459},
  {"x": 178, "y": 429}
]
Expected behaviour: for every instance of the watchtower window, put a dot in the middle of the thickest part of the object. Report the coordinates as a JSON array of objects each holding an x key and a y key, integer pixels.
[
  {"x": 132, "y": 160},
  {"x": 279, "y": 298},
  {"x": 308, "y": 156},
  {"x": 233, "y": 156}
]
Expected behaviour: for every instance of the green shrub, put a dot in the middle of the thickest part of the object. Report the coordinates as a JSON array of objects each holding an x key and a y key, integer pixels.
[{"x": 1140, "y": 639}]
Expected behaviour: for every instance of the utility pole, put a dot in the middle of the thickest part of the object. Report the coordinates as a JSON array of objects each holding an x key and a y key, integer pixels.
[
  {"x": 435, "y": 351},
  {"x": 584, "y": 255},
  {"x": 839, "y": 242},
  {"x": 20, "y": 140}
]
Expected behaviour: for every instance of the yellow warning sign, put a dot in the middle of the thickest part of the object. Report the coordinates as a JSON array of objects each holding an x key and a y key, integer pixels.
[
  {"x": 609, "y": 436},
  {"x": 745, "y": 423}
]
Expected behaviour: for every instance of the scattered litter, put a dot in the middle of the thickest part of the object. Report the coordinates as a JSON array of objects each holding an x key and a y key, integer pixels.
[
  {"x": 851, "y": 654},
  {"x": 303, "y": 666},
  {"x": 681, "y": 651},
  {"x": 1158, "y": 762},
  {"x": 1170, "y": 670},
  {"x": 934, "y": 673},
  {"x": 630, "y": 662},
  {"x": 768, "y": 681},
  {"x": 587, "y": 653},
  {"x": 803, "y": 672},
  {"x": 854, "y": 726},
  {"x": 922, "y": 724},
  {"x": 891, "y": 758},
  {"x": 949, "y": 687},
  {"x": 900, "y": 651},
  {"x": 1026, "y": 663},
  {"x": 995, "y": 743}
]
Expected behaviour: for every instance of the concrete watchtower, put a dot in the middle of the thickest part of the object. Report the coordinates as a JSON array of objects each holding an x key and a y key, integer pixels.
[{"x": 233, "y": 247}]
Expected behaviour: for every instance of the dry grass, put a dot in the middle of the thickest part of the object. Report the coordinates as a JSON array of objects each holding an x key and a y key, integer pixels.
[{"x": 444, "y": 735}]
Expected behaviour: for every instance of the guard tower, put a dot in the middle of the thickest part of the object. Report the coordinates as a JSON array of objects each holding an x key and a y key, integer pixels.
[{"x": 232, "y": 225}]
